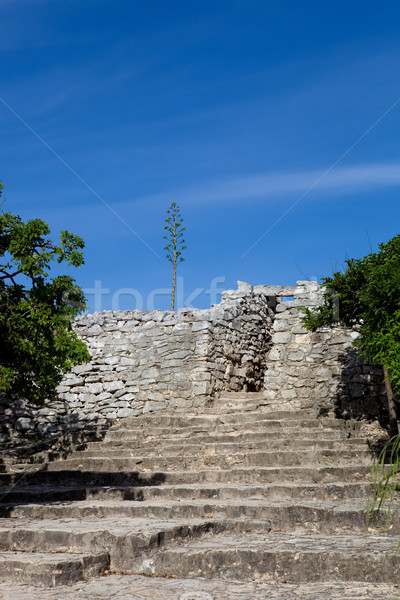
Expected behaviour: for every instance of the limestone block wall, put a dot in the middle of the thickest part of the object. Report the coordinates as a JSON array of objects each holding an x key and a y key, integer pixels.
[
  {"x": 253, "y": 340},
  {"x": 154, "y": 361},
  {"x": 320, "y": 370}
]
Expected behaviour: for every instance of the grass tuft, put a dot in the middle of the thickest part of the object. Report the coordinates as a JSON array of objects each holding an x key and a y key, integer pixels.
[{"x": 385, "y": 475}]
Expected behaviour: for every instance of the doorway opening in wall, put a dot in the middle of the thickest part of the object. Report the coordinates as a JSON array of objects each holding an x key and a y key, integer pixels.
[{"x": 251, "y": 387}]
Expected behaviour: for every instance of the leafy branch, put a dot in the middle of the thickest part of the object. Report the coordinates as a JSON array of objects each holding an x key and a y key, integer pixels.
[{"x": 37, "y": 342}]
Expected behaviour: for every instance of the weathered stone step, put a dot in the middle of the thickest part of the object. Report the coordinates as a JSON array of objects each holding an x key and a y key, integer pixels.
[
  {"x": 238, "y": 436},
  {"x": 49, "y": 570},
  {"x": 271, "y": 491},
  {"x": 20, "y": 467},
  {"x": 245, "y": 439},
  {"x": 214, "y": 460},
  {"x": 186, "y": 429},
  {"x": 236, "y": 406},
  {"x": 240, "y": 396},
  {"x": 210, "y": 418},
  {"x": 169, "y": 588},
  {"x": 124, "y": 540},
  {"x": 320, "y": 516},
  {"x": 288, "y": 557},
  {"x": 195, "y": 433},
  {"x": 168, "y": 464},
  {"x": 259, "y": 475},
  {"x": 179, "y": 447},
  {"x": 246, "y": 402}
]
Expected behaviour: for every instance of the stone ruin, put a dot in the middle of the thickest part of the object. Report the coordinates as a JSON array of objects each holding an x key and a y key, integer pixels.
[{"x": 179, "y": 362}]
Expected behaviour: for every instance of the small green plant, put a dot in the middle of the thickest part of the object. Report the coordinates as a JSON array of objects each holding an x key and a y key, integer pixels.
[
  {"x": 385, "y": 475},
  {"x": 175, "y": 245}
]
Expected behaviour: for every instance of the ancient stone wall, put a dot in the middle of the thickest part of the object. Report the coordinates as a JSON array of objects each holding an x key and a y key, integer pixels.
[
  {"x": 320, "y": 370},
  {"x": 154, "y": 361},
  {"x": 178, "y": 362}
]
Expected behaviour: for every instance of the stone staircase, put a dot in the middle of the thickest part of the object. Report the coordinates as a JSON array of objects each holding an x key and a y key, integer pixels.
[{"x": 235, "y": 493}]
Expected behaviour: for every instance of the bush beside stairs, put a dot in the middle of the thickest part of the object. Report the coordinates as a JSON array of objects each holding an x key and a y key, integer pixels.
[{"x": 233, "y": 493}]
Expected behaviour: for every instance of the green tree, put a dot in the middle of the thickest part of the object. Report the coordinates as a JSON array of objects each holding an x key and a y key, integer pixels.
[
  {"x": 175, "y": 245},
  {"x": 367, "y": 295},
  {"x": 37, "y": 342}
]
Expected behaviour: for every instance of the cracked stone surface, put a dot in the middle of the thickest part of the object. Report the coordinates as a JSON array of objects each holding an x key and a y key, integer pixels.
[{"x": 134, "y": 587}]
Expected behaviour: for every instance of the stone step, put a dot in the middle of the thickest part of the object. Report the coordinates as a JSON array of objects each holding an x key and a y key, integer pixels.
[
  {"x": 21, "y": 467},
  {"x": 178, "y": 447},
  {"x": 237, "y": 436},
  {"x": 283, "y": 557},
  {"x": 271, "y": 491},
  {"x": 37, "y": 568},
  {"x": 236, "y": 491},
  {"x": 244, "y": 403},
  {"x": 194, "y": 433},
  {"x": 208, "y": 419},
  {"x": 186, "y": 429},
  {"x": 124, "y": 540},
  {"x": 258, "y": 475},
  {"x": 228, "y": 442},
  {"x": 320, "y": 516},
  {"x": 214, "y": 460},
  {"x": 236, "y": 406},
  {"x": 240, "y": 396},
  {"x": 169, "y": 588}
]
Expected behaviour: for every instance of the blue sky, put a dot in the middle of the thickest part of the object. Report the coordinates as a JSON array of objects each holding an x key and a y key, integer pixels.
[{"x": 232, "y": 108}]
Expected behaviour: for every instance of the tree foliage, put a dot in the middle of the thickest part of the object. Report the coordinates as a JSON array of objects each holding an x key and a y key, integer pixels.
[
  {"x": 37, "y": 343},
  {"x": 367, "y": 295},
  {"x": 176, "y": 243}
]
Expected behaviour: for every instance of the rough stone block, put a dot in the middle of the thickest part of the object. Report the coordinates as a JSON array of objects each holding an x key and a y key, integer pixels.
[
  {"x": 113, "y": 386},
  {"x": 202, "y": 326},
  {"x": 281, "y": 325},
  {"x": 295, "y": 356},
  {"x": 201, "y": 388},
  {"x": 281, "y": 338},
  {"x": 270, "y": 394},
  {"x": 111, "y": 360},
  {"x": 94, "y": 330},
  {"x": 86, "y": 398},
  {"x": 299, "y": 330},
  {"x": 156, "y": 397},
  {"x": 151, "y": 406},
  {"x": 111, "y": 414},
  {"x": 275, "y": 354},
  {"x": 95, "y": 388},
  {"x": 125, "y": 412},
  {"x": 128, "y": 397},
  {"x": 24, "y": 424}
]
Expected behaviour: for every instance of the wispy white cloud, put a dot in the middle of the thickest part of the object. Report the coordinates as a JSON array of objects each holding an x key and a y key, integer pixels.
[
  {"x": 271, "y": 186},
  {"x": 265, "y": 188}
]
